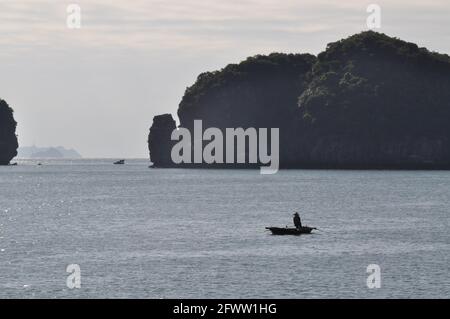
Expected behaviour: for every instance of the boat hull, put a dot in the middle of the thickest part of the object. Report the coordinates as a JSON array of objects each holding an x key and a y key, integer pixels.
[{"x": 290, "y": 231}]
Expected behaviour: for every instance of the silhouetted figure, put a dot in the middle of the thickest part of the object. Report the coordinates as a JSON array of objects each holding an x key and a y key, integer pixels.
[{"x": 297, "y": 221}]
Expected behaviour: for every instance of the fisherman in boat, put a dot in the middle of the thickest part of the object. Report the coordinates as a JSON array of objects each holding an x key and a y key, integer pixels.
[{"x": 297, "y": 221}]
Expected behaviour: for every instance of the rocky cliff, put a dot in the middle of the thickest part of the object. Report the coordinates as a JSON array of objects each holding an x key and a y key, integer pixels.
[
  {"x": 159, "y": 142},
  {"x": 368, "y": 101},
  {"x": 8, "y": 138}
]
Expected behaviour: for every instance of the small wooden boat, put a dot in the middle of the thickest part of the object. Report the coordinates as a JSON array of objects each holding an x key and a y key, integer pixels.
[
  {"x": 120, "y": 162},
  {"x": 291, "y": 230}
]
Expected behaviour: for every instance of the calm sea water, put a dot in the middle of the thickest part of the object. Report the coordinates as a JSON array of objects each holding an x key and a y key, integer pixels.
[{"x": 153, "y": 233}]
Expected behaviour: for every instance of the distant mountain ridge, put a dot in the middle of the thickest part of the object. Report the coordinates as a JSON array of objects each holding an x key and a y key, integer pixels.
[{"x": 47, "y": 152}]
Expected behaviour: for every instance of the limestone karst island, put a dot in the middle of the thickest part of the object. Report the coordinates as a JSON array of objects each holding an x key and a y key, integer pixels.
[
  {"x": 8, "y": 138},
  {"x": 368, "y": 101}
]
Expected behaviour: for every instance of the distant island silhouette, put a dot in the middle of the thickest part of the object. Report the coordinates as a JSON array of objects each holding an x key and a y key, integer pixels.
[
  {"x": 8, "y": 138},
  {"x": 367, "y": 101},
  {"x": 47, "y": 152}
]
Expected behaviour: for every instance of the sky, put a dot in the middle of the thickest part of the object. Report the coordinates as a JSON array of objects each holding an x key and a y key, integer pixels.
[{"x": 97, "y": 88}]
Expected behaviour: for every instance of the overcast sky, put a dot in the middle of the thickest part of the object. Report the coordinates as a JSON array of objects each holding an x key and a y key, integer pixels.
[{"x": 96, "y": 89}]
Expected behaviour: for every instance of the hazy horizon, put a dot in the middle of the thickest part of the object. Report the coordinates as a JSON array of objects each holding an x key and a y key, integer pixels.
[{"x": 97, "y": 88}]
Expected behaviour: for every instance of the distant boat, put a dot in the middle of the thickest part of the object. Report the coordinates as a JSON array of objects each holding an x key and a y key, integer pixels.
[
  {"x": 119, "y": 162},
  {"x": 291, "y": 230},
  {"x": 12, "y": 164}
]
